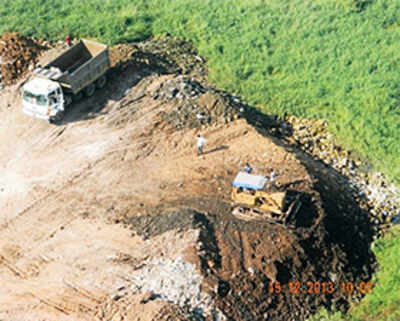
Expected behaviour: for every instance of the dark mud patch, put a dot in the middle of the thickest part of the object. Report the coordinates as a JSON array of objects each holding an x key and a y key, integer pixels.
[{"x": 260, "y": 270}]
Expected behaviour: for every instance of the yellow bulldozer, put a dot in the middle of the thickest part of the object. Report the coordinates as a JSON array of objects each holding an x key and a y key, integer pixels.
[{"x": 251, "y": 201}]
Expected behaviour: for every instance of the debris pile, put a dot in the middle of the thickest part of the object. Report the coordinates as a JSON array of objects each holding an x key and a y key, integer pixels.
[
  {"x": 176, "y": 55},
  {"x": 179, "y": 88},
  {"x": 196, "y": 105},
  {"x": 177, "y": 282},
  {"x": 18, "y": 55},
  {"x": 239, "y": 259},
  {"x": 375, "y": 193},
  {"x": 121, "y": 54},
  {"x": 165, "y": 55}
]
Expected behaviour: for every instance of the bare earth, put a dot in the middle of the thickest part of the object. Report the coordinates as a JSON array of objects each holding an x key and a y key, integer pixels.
[{"x": 82, "y": 206}]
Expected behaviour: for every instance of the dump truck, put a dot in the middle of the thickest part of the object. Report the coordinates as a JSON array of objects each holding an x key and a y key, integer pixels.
[
  {"x": 76, "y": 72},
  {"x": 252, "y": 202}
]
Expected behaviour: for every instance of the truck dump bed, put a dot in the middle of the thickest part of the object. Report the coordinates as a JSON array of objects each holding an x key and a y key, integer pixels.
[{"x": 78, "y": 66}]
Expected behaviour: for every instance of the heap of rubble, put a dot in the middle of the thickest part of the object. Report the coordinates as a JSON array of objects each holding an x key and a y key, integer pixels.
[
  {"x": 18, "y": 55},
  {"x": 375, "y": 192},
  {"x": 177, "y": 282}
]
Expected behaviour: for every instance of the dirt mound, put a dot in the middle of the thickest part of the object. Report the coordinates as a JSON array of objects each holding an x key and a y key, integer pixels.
[
  {"x": 196, "y": 105},
  {"x": 116, "y": 217},
  {"x": 165, "y": 55},
  {"x": 376, "y": 194},
  {"x": 176, "y": 56},
  {"x": 121, "y": 54},
  {"x": 18, "y": 54},
  {"x": 242, "y": 261}
]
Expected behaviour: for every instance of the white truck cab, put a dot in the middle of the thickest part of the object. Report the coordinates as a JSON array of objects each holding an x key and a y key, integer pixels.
[
  {"x": 74, "y": 72},
  {"x": 43, "y": 98}
]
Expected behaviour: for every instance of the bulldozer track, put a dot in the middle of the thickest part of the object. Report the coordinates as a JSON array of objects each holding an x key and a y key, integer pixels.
[
  {"x": 52, "y": 304},
  {"x": 32, "y": 268},
  {"x": 85, "y": 293},
  {"x": 68, "y": 304},
  {"x": 250, "y": 214},
  {"x": 15, "y": 270}
]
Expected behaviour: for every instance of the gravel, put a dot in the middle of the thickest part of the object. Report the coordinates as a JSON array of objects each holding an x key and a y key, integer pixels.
[
  {"x": 177, "y": 282},
  {"x": 373, "y": 189}
]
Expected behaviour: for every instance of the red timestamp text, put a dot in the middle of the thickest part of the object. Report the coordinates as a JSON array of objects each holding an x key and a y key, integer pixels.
[{"x": 316, "y": 287}]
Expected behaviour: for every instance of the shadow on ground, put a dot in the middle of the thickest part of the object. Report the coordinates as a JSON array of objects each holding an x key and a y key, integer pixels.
[{"x": 216, "y": 149}]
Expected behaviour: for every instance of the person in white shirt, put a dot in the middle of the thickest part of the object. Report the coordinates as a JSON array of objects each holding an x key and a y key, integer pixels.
[
  {"x": 200, "y": 144},
  {"x": 272, "y": 176}
]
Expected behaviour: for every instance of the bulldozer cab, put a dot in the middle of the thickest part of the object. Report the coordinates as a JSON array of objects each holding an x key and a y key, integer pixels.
[{"x": 254, "y": 202}]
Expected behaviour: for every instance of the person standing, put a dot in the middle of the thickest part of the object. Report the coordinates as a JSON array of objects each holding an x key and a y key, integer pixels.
[
  {"x": 68, "y": 40},
  {"x": 272, "y": 177},
  {"x": 200, "y": 144},
  {"x": 247, "y": 168}
]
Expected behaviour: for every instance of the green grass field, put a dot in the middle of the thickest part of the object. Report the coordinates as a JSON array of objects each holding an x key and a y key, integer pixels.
[{"x": 332, "y": 59}]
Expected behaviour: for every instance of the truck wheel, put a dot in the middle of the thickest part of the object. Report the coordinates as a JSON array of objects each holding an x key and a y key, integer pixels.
[
  {"x": 89, "y": 90},
  {"x": 59, "y": 116},
  {"x": 56, "y": 118},
  {"x": 78, "y": 96},
  {"x": 101, "y": 82}
]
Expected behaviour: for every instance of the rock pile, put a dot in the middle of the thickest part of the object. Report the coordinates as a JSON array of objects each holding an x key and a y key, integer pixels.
[
  {"x": 197, "y": 105},
  {"x": 165, "y": 55},
  {"x": 376, "y": 194},
  {"x": 18, "y": 55},
  {"x": 177, "y": 282},
  {"x": 175, "y": 56},
  {"x": 179, "y": 88}
]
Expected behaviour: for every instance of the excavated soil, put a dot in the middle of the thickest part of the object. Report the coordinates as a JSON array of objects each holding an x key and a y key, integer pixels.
[
  {"x": 18, "y": 56},
  {"x": 239, "y": 258},
  {"x": 111, "y": 215}
]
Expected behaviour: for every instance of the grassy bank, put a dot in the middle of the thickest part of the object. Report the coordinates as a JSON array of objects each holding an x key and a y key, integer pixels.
[
  {"x": 337, "y": 60},
  {"x": 383, "y": 303}
]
